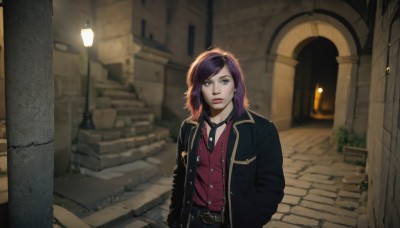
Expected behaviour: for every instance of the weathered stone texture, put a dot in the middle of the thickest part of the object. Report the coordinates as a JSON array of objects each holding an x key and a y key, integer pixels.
[
  {"x": 298, "y": 210},
  {"x": 299, "y": 220}
]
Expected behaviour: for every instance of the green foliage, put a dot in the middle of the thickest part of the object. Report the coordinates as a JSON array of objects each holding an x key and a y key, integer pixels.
[{"x": 345, "y": 138}]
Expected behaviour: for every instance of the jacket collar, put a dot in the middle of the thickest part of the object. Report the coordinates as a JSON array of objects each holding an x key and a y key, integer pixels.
[{"x": 245, "y": 117}]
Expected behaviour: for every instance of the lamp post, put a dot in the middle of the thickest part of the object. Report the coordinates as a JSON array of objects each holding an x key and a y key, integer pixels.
[{"x": 87, "y": 37}]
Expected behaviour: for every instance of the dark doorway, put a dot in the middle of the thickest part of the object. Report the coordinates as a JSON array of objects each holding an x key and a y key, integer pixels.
[{"x": 315, "y": 81}]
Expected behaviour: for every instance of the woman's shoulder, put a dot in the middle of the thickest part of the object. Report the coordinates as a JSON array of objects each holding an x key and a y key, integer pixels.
[
  {"x": 260, "y": 119},
  {"x": 188, "y": 123},
  {"x": 263, "y": 125}
]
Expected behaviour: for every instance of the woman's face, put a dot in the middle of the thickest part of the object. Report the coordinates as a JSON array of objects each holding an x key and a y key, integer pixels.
[{"x": 218, "y": 91}]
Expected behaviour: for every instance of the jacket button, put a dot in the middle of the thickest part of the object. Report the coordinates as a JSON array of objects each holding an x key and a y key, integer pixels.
[
  {"x": 190, "y": 170},
  {"x": 191, "y": 183},
  {"x": 188, "y": 202},
  {"x": 231, "y": 193}
]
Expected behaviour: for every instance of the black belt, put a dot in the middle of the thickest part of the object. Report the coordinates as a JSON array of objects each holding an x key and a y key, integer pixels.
[{"x": 206, "y": 216}]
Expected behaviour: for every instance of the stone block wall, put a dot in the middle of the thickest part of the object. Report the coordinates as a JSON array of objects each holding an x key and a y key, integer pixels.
[
  {"x": 149, "y": 83},
  {"x": 174, "y": 102},
  {"x": 115, "y": 39},
  {"x": 181, "y": 14},
  {"x": 154, "y": 13},
  {"x": 383, "y": 123},
  {"x": 363, "y": 84},
  {"x": 67, "y": 106}
]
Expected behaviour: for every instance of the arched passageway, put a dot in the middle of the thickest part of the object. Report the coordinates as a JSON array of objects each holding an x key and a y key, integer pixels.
[
  {"x": 315, "y": 81},
  {"x": 285, "y": 54}
]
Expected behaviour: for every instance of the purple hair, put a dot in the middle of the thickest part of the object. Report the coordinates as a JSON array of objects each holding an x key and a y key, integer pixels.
[{"x": 206, "y": 65}]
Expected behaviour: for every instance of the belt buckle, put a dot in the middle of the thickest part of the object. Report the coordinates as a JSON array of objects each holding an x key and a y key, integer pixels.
[{"x": 208, "y": 218}]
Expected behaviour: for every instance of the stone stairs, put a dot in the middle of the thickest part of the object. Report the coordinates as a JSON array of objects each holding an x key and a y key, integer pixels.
[
  {"x": 118, "y": 182},
  {"x": 124, "y": 133}
]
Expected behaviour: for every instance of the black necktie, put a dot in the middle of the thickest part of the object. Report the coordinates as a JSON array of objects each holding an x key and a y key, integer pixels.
[{"x": 214, "y": 126}]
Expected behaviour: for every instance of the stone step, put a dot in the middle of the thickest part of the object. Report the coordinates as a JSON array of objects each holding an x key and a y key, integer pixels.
[
  {"x": 118, "y": 94},
  {"x": 3, "y": 129},
  {"x": 107, "y": 85},
  {"x": 136, "y": 129},
  {"x": 67, "y": 219},
  {"x": 132, "y": 204},
  {"x": 3, "y": 145},
  {"x": 108, "y": 118},
  {"x": 138, "y": 117},
  {"x": 3, "y": 163},
  {"x": 117, "y": 103},
  {"x": 99, "y": 162},
  {"x": 114, "y": 136},
  {"x": 89, "y": 191},
  {"x": 132, "y": 111}
]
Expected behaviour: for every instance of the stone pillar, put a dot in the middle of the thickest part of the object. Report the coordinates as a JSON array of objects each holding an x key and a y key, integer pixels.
[
  {"x": 345, "y": 91},
  {"x": 30, "y": 111},
  {"x": 282, "y": 91}
]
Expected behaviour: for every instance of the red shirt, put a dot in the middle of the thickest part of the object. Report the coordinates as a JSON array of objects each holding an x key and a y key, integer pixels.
[{"x": 209, "y": 184}]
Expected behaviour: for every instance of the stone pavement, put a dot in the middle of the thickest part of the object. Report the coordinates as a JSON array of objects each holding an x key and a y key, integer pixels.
[{"x": 315, "y": 195}]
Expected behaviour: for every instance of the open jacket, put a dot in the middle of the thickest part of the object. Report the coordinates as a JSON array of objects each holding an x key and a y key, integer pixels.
[{"x": 254, "y": 176}]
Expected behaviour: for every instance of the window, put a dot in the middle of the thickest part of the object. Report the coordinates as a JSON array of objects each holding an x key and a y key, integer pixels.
[
  {"x": 191, "y": 38},
  {"x": 143, "y": 31}
]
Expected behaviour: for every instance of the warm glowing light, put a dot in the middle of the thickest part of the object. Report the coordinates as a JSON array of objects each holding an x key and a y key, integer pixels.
[
  {"x": 87, "y": 36},
  {"x": 320, "y": 90}
]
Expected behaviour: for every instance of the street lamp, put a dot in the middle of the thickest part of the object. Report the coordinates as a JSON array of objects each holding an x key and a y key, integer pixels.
[{"x": 87, "y": 37}]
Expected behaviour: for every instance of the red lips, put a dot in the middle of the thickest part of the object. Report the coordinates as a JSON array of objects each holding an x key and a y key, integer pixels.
[{"x": 216, "y": 100}]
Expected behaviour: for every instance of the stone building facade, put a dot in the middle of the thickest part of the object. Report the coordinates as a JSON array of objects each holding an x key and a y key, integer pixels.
[
  {"x": 149, "y": 44},
  {"x": 383, "y": 141}
]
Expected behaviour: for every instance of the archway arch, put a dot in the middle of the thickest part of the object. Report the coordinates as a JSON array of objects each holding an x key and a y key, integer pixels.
[{"x": 281, "y": 65}]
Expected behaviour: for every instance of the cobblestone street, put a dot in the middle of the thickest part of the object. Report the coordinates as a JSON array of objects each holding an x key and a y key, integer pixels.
[{"x": 315, "y": 195}]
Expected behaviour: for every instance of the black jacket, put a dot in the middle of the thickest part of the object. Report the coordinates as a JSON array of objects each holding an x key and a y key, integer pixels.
[{"x": 254, "y": 176}]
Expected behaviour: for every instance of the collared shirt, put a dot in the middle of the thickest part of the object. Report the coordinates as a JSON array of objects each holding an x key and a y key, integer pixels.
[{"x": 209, "y": 184}]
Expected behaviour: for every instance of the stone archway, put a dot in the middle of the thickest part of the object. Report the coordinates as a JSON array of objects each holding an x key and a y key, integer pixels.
[{"x": 281, "y": 65}]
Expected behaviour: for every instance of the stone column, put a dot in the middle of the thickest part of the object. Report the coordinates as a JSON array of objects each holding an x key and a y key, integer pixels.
[
  {"x": 30, "y": 111},
  {"x": 345, "y": 91},
  {"x": 282, "y": 91}
]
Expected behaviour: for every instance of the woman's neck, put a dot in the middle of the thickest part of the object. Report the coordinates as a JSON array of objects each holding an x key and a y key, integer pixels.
[{"x": 216, "y": 116}]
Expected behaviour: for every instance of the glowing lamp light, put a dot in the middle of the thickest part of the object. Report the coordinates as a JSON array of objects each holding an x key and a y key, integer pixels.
[
  {"x": 320, "y": 90},
  {"x": 87, "y": 36}
]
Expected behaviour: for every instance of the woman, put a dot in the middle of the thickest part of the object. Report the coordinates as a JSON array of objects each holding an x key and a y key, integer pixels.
[{"x": 228, "y": 169}]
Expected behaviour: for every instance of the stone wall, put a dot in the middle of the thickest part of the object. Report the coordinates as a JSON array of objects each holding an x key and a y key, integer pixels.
[
  {"x": 68, "y": 106},
  {"x": 383, "y": 122},
  {"x": 69, "y": 69},
  {"x": 149, "y": 83},
  {"x": 173, "y": 106},
  {"x": 362, "y": 85},
  {"x": 115, "y": 44},
  {"x": 181, "y": 14}
]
